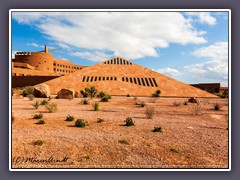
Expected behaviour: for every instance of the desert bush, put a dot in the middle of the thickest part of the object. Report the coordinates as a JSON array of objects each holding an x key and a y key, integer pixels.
[
  {"x": 51, "y": 107},
  {"x": 92, "y": 91},
  {"x": 197, "y": 108},
  {"x": 24, "y": 93},
  {"x": 101, "y": 94},
  {"x": 38, "y": 116},
  {"x": 41, "y": 122},
  {"x": 96, "y": 106},
  {"x": 38, "y": 143},
  {"x": 216, "y": 106},
  {"x": 149, "y": 112},
  {"x": 185, "y": 103},
  {"x": 69, "y": 118},
  {"x": 85, "y": 101},
  {"x": 157, "y": 129},
  {"x": 43, "y": 102},
  {"x": 84, "y": 94},
  {"x": 129, "y": 122},
  {"x": 157, "y": 93},
  {"x": 128, "y": 95},
  {"x": 30, "y": 97},
  {"x": 99, "y": 120},
  {"x": 81, "y": 123},
  {"x": 105, "y": 98},
  {"x": 175, "y": 150},
  {"x": 123, "y": 141},
  {"x": 36, "y": 104},
  {"x": 175, "y": 103},
  {"x": 142, "y": 104}
]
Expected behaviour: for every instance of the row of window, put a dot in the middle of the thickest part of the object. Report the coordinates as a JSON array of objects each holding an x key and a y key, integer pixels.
[
  {"x": 65, "y": 66},
  {"x": 118, "y": 61},
  {"x": 141, "y": 81},
  {"x": 61, "y": 70},
  {"x": 95, "y": 78}
]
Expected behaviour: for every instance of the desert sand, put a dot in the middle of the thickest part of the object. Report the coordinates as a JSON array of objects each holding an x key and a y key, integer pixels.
[{"x": 187, "y": 140}]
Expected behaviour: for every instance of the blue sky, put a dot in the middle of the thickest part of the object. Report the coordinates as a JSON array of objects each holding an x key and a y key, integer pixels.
[{"x": 188, "y": 46}]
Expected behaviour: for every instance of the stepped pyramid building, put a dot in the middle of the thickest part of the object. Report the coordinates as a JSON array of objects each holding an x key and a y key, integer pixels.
[{"x": 118, "y": 76}]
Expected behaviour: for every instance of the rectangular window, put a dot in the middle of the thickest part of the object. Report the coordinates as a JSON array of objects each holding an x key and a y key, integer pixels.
[
  {"x": 83, "y": 78},
  {"x": 135, "y": 81},
  {"x": 130, "y": 80},
  {"x": 95, "y": 78},
  {"x": 91, "y": 79},
  {"x": 123, "y": 79},
  {"x": 155, "y": 82},
  {"x": 115, "y": 78},
  {"x": 143, "y": 82},
  {"x": 139, "y": 82},
  {"x": 147, "y": 81},
  {"x": 150, "y": 80},
  {"x": 103, "y": 78},
  {"x": 87, "y": 79}
]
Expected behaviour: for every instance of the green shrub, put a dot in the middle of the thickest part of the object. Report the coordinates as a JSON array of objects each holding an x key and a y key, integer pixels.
[
  {"x": 101, "y": 94},
  {"x": 105, "y": 98},
  {"x": 149, "y": 112},
  {"x": 96, "y": 106},
  {"x": 92, "y": 91},
  {"x": 123, "y": 141},
  {"x": 85, "y": 101},
  {"x": 51, "y": 107},
  {"x": 99, "y": 120},
  {"x": 30, "y": 97},
  {"x": 216, "y": 106},
  {"x": 43, "y": 102},
  {"x": 24, "y": 93},
  {"x": 157, "y": 129},
  {"x": 38, "y": 116},
  {"x": 38, "y": 143},
  {"x": 81, "y": 123},
  {"x": 129, "y": 122},
  {"x": 69, "y": 118},
  {"x": 41, "y": 122},
  {"x": 36, "y": 104}
]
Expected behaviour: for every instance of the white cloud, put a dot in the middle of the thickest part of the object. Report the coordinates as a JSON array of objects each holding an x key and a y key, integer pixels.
[
  {"x": 169, "y": 72},
  {"x": 96, "y": 56},
  {"x": 33, "y": 44},
  {"x": 216, "y": 66},
  {"x": 203, "y": 17},
  {"x": 131, "y": 35}
]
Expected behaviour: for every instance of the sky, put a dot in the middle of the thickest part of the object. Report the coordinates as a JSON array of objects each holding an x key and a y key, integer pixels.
[{"x": 191, "y": 47}]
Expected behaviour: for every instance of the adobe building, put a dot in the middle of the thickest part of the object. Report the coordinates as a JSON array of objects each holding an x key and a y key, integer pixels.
[
  {"x": 41, "y": 63},
  {"x": 118, "y": 76},
  {"x": 30, "y": 68}
]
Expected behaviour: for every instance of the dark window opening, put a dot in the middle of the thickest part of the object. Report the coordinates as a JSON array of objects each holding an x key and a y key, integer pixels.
[
  {"x": 135, "y": 81},
  {"x": 127, "y": 79},
  {"x": 139, "y": 82},
  {"x": 103, "y": 78},
  {"x": 111, "y": 61},
  {"x": 123, "y": 79},
  {"x": 117, "y": 60},
  {"x": 99, "y": 78},
  {"x": 124, "y": 62},
  {"x": 91, "y": 78},
  {"x": 87, "y": 79},
  {"x": 114, "y": 61},
  {"x": 155, "y": 82},
  {"x": 120, "y": 61},
  {"x": 107, "y": 78},
  {"x": 95, "y": 78},
  {"x": 111, "y": 78},
  {"x": 143, "y": 82},
  {"x": 127, "y": 62},
  {"x": 150, "y": 80},
  {"x": 147, "y": 81},
  {"x": 115, "y": 78},
  {"x": 83, "y": 78},
  {"x": 130, "y": 80}
]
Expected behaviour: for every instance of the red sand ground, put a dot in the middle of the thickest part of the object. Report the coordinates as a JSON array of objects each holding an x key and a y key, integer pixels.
[{"x": 187, "y": 140}]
